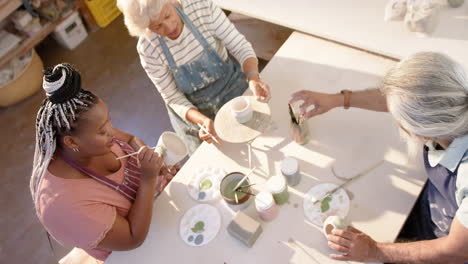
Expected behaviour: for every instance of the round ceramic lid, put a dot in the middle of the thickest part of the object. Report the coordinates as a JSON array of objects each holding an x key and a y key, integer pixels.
[
  {"x": 276, "y": 184},
  {"x": 264, "y": 200},
  {"x": 289, "y": 166}
]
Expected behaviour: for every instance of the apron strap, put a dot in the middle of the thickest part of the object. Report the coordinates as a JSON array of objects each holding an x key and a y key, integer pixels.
[
  {"x": 167, "y": 54},
  {"x": 123, "y": 189},
  {"x": 192, "y": 28},
  {"x": 106, "y": 181}
]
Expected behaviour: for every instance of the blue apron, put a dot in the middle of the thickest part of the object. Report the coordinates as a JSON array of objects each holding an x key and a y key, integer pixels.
[
  {"x": 208, "y": 83},
  {"x": 436, "y": 207}
]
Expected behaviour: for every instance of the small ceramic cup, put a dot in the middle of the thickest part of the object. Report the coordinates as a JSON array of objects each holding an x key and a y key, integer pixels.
[
  {"x": 290, "y": 169},
  {"x": 226, "y": 187},
  {"x": 171, "y": 147},
  {"x": 241, "y": 109},
  {"x": 333, "y": 222}
]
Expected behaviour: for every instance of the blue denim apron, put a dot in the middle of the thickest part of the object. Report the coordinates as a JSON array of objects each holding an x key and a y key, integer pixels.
[
  {"x": 436, "y": 207},
  {"x": 208, "y": 83}
]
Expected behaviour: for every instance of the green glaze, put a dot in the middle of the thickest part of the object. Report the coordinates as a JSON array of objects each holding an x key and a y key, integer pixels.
[
  {"x": 199, "y": 227},
  {"x": 282, "y": 197},
  {"x": 325, "y": 204},
  {"x": 205, "y": 184},
  {"x": 228, "y": 190}
]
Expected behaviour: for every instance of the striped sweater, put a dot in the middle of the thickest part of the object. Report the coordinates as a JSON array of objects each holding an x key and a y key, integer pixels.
[{"x": 219, "y": 32}]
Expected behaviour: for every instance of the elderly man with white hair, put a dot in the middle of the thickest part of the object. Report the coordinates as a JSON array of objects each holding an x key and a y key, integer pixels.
[
  {"x": 183, "y": 47},
  {"x": 427, "y": 94}
]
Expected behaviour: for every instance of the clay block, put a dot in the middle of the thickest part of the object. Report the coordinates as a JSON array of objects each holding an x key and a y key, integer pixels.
[{"x": 245, "y": 229}]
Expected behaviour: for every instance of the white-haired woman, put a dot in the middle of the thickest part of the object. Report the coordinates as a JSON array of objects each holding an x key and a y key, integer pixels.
[
  {"x": 183, "y": 47},
  {"x": 427, "y": 94}
]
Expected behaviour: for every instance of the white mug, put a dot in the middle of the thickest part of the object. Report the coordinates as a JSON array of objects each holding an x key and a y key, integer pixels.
[
  {"x": 333, "y": 222},
  {"x": 241, "y": 109},
  {"x": 171, "y": 147}
]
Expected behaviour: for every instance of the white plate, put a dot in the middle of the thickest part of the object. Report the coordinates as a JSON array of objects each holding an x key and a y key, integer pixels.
[
  {"x": 338, "y": 205},
  {"x": 204, "y": 184},
  {"x": 200, "y": 225}
]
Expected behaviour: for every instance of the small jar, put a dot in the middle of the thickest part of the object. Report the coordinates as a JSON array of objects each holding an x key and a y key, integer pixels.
[
  {"x": 279, "y": 189},
  {"x": 265, "y": 205},
  {"x": 290, "y": 169}
]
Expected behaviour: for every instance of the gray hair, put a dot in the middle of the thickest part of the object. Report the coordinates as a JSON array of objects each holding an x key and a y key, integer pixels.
[
  {"x": 139, "y": 13},
  {"x": 428, "y": 94}
]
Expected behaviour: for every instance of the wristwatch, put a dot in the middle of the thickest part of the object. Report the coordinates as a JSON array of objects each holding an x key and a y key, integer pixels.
[{"x": 347, "y": 98}]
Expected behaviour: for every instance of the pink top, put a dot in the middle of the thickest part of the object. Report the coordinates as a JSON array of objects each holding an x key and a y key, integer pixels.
[{"x": 80, "y": 212}]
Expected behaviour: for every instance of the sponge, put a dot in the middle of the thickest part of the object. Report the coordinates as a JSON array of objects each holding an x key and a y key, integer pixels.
[{"x": 245, "y": 229}]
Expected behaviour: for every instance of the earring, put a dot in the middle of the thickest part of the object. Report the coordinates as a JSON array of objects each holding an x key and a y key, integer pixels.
[{"x": 76, "y": 150}]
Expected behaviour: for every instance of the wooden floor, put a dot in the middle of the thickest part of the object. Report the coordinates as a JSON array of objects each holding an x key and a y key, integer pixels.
[{"x": 110, "y": 67}]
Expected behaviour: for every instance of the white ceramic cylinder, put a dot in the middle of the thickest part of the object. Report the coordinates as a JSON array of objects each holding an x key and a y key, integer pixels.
[
  {"x": 172, "y": 148},
  {"x": 278, "y": 187},
  {"x": 290, "y": 169},
  {"x": 265, "y": 205},
  {"x": 333, "y": 222},
  {"x": 241, "y": 109}
]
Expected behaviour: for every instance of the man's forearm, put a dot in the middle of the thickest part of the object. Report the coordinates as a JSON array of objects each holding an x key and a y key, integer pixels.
[
  {"x": 428, "y": 251},
  {"x": 371, "y": 99}
]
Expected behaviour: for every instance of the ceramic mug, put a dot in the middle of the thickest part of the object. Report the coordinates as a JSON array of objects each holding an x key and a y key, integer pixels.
[
  {"x": 333, "y": 222},
  {"x": 171, "y": 147},
  {"x": 241, "y": 109}
]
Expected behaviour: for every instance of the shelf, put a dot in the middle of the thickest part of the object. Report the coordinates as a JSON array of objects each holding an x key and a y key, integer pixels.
[
  {"x": 8, "y": 6},
  {"x": 29, "y": 43}
]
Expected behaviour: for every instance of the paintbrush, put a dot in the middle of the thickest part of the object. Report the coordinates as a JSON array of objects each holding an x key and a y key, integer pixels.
[
  {"x": 243, "y": 179},
  {"x": 245, "y": 186},
  {"x": 131, "y": 154},
  {"x": 206, "y": 131},
  {"x": 293, "y": 116},
  {"x": 249, "y": 193}
]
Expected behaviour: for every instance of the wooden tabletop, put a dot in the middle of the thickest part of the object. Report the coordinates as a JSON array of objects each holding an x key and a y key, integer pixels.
[{"x": 349, "y": 140}]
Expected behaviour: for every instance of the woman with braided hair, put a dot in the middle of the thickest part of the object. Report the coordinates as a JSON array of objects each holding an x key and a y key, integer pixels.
[{"x": 83, "y": 195}]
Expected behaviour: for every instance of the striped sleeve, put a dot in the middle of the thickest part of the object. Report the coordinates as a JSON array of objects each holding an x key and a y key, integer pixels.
[
  {"x": 162, "y": 78},
  {"x": 234, "y": 41}
]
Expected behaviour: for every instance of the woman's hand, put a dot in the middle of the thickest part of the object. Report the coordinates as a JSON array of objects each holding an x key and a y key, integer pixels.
[
  {"x": 355, "y": 245},
  {"x": 136, "y": 143},
  {"x": 173, "y": 170},
  {"x": 322, "y": 102},
  {"x": 150, "y": 164},
  {"x": 208, "y": 124},
  {"x": 260, "y": 89},
  {"x": 165, "y": 176}
]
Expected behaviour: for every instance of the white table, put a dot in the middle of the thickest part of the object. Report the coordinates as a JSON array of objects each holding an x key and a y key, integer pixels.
[
  {"x": 360, "y": 24},
  {"x": 352, "y": 140}
]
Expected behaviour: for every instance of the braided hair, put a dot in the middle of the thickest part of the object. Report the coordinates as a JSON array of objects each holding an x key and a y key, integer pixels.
[{"x": 58, "y": 115}]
